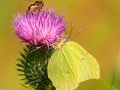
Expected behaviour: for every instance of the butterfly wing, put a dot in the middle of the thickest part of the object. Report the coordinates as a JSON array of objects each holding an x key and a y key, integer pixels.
[{"x": 70, "y": 66}]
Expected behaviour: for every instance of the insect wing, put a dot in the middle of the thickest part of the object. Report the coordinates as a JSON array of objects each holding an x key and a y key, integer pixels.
[{"x": 70, "y": 66}]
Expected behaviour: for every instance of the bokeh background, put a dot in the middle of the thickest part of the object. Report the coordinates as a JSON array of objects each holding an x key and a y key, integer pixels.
[{"x": 100, "y": 36}]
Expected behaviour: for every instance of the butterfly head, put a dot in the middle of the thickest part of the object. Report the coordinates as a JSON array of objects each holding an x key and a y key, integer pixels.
[{"x": 62, "y": 42}]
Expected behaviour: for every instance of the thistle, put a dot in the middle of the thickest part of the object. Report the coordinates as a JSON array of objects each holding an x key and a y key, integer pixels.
[{"x": 41, "y": 29}]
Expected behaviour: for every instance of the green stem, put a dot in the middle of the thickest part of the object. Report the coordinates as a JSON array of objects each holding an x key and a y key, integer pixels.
[{"x": 113, "y": 77}]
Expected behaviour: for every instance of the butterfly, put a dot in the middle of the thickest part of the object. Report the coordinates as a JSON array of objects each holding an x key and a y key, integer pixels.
[{"x": 70, "y": 64}]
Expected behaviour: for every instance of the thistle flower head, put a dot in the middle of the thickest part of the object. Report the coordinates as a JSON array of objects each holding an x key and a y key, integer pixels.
[{"x": 43, "y": 27}]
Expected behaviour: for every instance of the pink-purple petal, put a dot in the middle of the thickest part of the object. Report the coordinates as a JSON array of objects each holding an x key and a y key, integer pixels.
[{"x": 43, "y": 27}]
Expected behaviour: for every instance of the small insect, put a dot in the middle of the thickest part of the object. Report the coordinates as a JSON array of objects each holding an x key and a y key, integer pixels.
[{"x": 36, "y": 6}]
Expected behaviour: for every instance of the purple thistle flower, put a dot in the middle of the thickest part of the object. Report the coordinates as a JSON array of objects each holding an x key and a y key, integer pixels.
[{"x": 43, "y": 27}]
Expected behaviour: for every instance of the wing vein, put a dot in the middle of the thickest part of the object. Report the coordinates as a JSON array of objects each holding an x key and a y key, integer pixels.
[{"x": 68, "y": 63}]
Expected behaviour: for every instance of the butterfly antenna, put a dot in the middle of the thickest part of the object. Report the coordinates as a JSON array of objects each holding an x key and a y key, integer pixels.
[
  {"x": 71, "y": 28},
  {"x": 76, "y": 33}
]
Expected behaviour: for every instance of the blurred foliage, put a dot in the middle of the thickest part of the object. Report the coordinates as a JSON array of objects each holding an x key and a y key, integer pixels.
[{"x": 99, "y": 20}]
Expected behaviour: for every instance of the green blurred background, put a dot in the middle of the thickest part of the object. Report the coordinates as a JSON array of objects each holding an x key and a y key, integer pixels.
[{"x": 100, "y": 23}]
